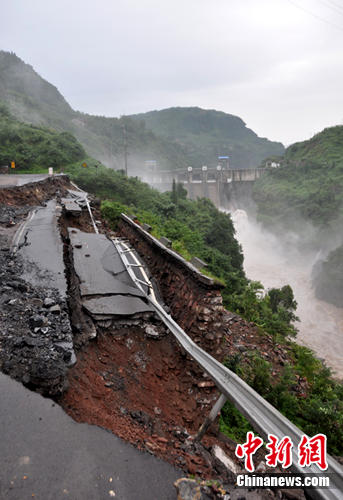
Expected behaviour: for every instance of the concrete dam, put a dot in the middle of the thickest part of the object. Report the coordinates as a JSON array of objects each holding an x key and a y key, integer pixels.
[{"x": 224, "y": 187}]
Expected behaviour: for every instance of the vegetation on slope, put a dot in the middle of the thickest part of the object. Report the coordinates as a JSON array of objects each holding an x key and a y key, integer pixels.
[
  {"x": 318, "y": 409},
  {"x": 308, "y": 185},
  {"x": 207, "y": 134},
  {"x": 174, "y": 138},
  {"x": 33, "y": 148},
  {"x": 198, "y": 228},
  {"x": 33, "y": 100}
]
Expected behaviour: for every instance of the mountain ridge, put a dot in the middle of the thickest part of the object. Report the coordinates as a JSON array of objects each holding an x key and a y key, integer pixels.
[
  {"x": 32, "y": 99},
  {"x": 206, "y": 134}
]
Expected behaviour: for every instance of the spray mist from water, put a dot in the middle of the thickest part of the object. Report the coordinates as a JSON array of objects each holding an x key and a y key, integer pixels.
[{"x": 275, "y": 264}]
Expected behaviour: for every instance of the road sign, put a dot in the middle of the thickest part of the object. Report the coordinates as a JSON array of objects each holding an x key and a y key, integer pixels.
[
  {"x": 12, "y": 164},
  {"x": 84, "y": 164}
]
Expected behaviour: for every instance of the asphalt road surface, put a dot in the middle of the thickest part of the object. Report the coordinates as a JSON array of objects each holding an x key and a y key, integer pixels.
[
  {"x": 39, "y": 242},
  {"x": 105, "y": 286},
  {"x": 7, "y": 180},
  {"x": 45, "y": 455}
]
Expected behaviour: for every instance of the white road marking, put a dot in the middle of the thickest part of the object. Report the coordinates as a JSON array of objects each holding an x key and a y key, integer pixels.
[{"x": 19, "y": 233}]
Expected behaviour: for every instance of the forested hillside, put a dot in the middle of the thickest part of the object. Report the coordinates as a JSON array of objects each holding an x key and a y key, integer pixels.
[
  {"x": 308, "y": 185},
  {"x": 34, "y": 148},
  {"x": 207, "y": 134},
  {"x": 173, "y": 138},
  {"x": 32, "y": 99}
]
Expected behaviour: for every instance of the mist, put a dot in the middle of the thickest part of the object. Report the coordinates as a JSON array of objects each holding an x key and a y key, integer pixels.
[{"x": 277, "y": 261}]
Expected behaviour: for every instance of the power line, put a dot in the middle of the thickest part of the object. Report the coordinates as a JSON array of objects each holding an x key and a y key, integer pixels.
[
  {"x": 329, "y": 6},
  {"x": 315, "y": 15},
  {"x": 336, "y": 5}
]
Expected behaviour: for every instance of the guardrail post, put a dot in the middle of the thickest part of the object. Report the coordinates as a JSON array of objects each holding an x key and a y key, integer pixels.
[{"x": 213, "y": 414}]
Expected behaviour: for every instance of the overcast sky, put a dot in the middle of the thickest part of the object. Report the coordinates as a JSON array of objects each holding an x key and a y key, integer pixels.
[{"x": 278, "y": 64}]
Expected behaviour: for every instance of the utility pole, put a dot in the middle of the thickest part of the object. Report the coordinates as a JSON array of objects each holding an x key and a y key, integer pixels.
[
  {"x": 111, "y": 144},
  {"x": 125, "y": 147}
]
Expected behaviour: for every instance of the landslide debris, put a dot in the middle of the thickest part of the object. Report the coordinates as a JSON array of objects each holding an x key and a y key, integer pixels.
[
  {"x": 34, "y": 193},
  {"x": 133, "y": 379},
  {"x": 36, "y": 344},
  {"x": 35, "y": 333}
]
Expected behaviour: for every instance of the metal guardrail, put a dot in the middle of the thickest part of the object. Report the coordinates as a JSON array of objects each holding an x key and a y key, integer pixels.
[
  {"x": 261, "y": 414},
  {"x": 96, "y": 230},
  {"x": 209, "y": 169}
]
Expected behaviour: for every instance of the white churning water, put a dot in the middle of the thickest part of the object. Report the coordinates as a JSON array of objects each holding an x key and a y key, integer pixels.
[{"x": 275, "y": 265}]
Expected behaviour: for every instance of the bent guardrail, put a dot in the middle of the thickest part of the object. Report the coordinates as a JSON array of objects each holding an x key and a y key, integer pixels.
[{"x": 261, "y": 414}]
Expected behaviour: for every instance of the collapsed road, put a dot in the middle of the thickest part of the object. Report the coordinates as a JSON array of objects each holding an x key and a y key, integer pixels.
[
  {"x": 45, "y": 454},
  {"x": 131, "y": 376}
]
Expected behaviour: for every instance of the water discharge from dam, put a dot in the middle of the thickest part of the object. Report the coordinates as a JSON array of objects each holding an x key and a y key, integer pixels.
[{"x": 276, "y": 264}]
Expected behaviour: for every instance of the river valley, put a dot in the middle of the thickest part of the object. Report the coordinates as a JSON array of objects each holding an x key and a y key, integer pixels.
[{"x": 275, "y": 264}]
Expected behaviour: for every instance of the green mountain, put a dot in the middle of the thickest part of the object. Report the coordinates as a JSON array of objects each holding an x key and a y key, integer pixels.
[
  {"x": 206, "y": 134},
  {"x": 32, "y": 147},
  {"x": 32, "y": 99},
  {"x": 308, "y": 184},
  {"x": 174, "y": 137}
]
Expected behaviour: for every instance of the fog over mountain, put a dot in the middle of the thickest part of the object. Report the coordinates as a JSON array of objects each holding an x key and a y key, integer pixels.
[
  {"x": 276, "y": 64},
  {"x": 34, "y": 100}
]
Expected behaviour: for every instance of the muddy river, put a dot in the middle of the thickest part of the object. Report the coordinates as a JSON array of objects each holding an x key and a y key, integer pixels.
[{"x": 275, "y": 265}]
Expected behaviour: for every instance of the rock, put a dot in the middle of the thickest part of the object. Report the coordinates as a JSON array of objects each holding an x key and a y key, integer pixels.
[
  {"x": 4, "y": 298},
  {"x": 261, "y": 468},
  {"x": 225, "y": 460},
  {"x": 187, "y": 489},
  {"x": 38, "y": 320},
  {"x": 240, "y": 347},
  {"x": 162, "y": 440},
  {"x": 19, "y": 286},
  {"x": 207, "y": 383},
  {"x": 217, "y": 300},
  {"x": 36, "y": 302},
  {"x": 166, "y": 242},
  {"x": 141, "y": 417},
  {"x": 151, "y": 447},
  {"x": 151, "y": 331},
  {"x": 48, "y": 302},
  {"x": 55, "y": 309},
  {"x": 147, "y": 228},
  {"x": 293, "y": 494}
]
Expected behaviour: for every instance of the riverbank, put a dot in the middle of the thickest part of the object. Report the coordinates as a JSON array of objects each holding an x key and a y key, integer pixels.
[{"x": 275, "y": 264}]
